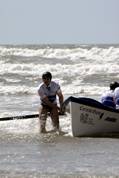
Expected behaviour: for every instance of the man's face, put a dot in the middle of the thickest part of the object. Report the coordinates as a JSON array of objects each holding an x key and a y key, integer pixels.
[{"x": 46, "y": 80}]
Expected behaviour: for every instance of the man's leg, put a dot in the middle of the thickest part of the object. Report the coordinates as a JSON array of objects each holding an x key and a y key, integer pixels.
[
  {"x": 42, "y": 119},
  {"x": 55, "y": 118}
]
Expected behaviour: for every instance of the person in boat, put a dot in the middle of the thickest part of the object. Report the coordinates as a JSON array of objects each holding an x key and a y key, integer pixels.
[
  {"x": 116, "y": 97},
  {"x": 107, "y": 98},
  {"x": 48, "y": 90}
]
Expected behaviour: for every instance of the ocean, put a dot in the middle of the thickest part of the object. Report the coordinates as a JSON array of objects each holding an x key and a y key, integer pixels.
[{"x": 81, "y": 70}]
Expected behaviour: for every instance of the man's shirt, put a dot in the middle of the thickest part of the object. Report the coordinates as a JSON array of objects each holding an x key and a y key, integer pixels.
[{"x": 49, "y": 91}]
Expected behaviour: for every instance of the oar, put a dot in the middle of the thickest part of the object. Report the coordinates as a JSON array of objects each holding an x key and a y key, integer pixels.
[
  {"x": 22, "y": 117},
  {"x": 19, "y": 117},
  {"x": 66, "y": 102}
]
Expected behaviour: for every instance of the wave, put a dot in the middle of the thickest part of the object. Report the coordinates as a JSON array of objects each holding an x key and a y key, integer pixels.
[
  {"x": 76, "y": 68},
  {"x": 60, "y": 53},
  {"x": 17, "y": 90}
]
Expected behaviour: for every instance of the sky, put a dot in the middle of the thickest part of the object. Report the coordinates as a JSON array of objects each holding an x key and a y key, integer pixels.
[{"x": 59, "y": 21}]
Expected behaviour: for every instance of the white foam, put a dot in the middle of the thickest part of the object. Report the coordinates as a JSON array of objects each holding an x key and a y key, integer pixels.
[
  {"x": 17, "y": 90},
  {"x": 74, "y": 68}
]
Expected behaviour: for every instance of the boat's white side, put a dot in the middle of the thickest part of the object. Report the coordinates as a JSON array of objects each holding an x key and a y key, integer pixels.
[{"x": 89, "y": 120}]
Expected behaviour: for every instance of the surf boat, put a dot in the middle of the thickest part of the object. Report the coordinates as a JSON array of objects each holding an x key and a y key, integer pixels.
[{"x": 91, "y": 118}]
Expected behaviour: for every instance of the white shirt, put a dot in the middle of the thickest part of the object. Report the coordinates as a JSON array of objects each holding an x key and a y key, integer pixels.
[
  {"x": 116, "y": 97},
  {"x": 116, "y": 93},
  {"x": 49, "y": 91}
]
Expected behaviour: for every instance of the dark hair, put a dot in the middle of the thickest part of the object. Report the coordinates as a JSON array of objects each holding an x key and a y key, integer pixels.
[
  {"x": 47, "y": 75},
  {"x": 114, "y": 85}
]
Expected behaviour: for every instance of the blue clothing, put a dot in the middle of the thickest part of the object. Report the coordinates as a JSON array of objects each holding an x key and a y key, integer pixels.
[
  {"x": 108, "y": 99},
  {"x": 109, "y": 103}
]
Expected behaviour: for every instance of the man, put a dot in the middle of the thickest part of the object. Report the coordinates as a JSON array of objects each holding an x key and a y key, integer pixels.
[
  {"x": 116, "y": 97},
  {"x": 48, "y": 90},
  {"x": 108, "y": 97}
]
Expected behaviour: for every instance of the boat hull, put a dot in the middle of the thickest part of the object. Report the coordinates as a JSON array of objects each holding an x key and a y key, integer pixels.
[{"x": 91, "y": 118}]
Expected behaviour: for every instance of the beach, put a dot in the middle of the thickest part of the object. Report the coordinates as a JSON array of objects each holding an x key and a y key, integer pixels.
[{"x": 81, "y": 70}]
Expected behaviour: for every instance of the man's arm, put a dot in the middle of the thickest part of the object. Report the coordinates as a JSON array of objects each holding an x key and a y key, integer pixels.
[{"x": 61, "y": 99}]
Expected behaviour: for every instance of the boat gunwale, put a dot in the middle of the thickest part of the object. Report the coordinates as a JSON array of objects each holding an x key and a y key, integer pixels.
[{"x": 92, "y": 103}]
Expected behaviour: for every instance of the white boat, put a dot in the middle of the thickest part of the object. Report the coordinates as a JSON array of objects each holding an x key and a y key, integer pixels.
[{"x": 91, "y": 118}]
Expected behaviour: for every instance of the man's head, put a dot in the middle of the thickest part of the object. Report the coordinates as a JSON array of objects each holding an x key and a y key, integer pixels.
[
  {"x": 114, "y": 85},
  {"x": 47, "y": 77}
]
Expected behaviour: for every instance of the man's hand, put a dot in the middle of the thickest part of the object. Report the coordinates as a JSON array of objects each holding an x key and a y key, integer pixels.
[{"x": 62, "y": 110}]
